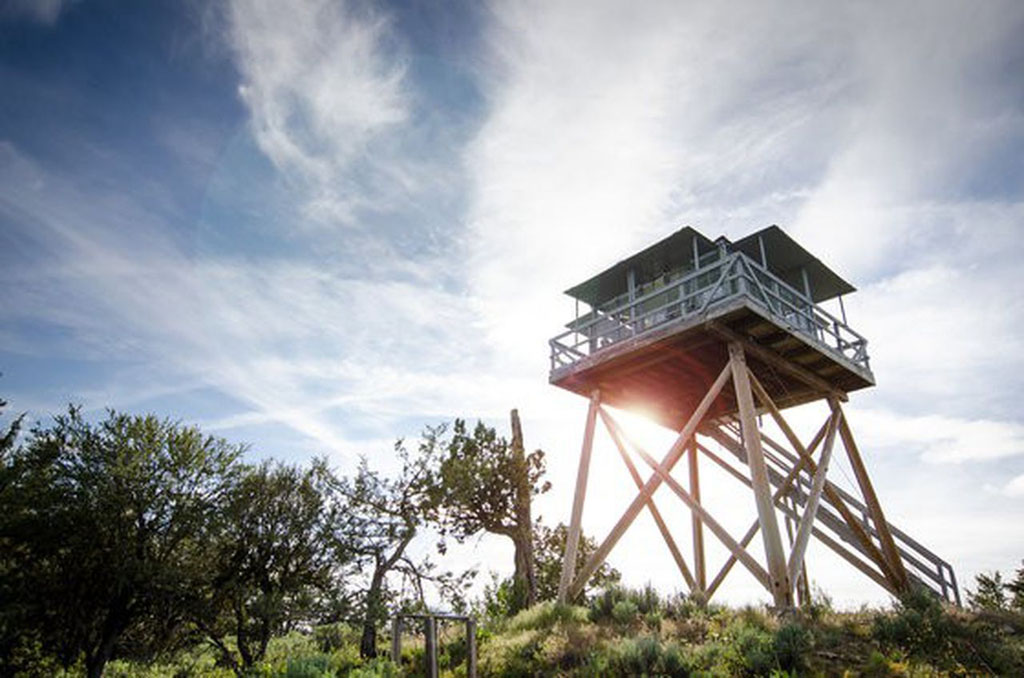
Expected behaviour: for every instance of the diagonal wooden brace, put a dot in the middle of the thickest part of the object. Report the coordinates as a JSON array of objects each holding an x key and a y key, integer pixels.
[
  {"x": 674, "y": 454},
  {"x": 617, "y": 437}
]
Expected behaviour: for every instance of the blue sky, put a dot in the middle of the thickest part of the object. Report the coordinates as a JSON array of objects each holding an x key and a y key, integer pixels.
[{"x": 318, "y": 226}]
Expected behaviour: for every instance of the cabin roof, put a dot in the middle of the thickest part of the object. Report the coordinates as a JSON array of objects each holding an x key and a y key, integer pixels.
[
  {"x": 666, "y": 254},
  {"x": 784, "y": 255}
]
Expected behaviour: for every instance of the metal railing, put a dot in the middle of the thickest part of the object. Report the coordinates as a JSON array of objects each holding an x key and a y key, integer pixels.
[{"x": 697, "y": 293}]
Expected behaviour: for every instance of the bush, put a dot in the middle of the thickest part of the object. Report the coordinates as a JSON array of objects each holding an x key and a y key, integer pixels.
[
  {"x": 750, "y": 651},
  {"x": 314, "y": 666},
  {"x": 791, "y": 645},
  {"x": 624, "y": 612}
]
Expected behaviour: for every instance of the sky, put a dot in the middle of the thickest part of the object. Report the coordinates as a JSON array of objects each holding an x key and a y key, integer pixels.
[{"x": 319, "y": 226}]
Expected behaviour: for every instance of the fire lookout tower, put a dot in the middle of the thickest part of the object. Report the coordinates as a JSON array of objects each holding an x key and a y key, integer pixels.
[{"x": 665, "y": 332}]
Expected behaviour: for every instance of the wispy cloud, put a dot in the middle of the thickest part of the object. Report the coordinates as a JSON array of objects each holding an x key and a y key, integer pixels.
[{"x": 324, "y": 84}]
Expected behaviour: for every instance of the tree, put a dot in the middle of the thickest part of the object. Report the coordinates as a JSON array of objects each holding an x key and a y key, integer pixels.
[
  {"x": 100, "y": 525},
  {"x": 270, "y": 560},
  {"x": 990, "y": 594},
  {"x": 486, "y": 483},
  {"x": 1016, "y": 589},
  {"x": 550, "y": 553},
  {"x": 375, "y": 520}
]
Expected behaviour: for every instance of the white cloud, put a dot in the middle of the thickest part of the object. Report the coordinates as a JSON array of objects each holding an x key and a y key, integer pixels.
[
  {"x": 941, "y": 439},
  {"x": 322, "y": 88},
  {"x": 1014, "y": 488}
]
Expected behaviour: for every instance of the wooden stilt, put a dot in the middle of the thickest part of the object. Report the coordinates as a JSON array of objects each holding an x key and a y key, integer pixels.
[
  {"x": 830, "y": 493},
  {"x": 573, "y": 537},
  {"x": 779, "y": 494},
  {"x": 803, "y": 533},
  {"x": 617, "y": 437},
  {"x": 674, "y": 454},
  {"x": 699, "y": 564},
  {"x": 871, "y": 499},
  {"x": 780, "y": 584}
]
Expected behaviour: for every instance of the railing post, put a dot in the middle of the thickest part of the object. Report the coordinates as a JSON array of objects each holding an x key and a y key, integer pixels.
[
  {"x": 430, "y": 632},
  {"x": 396, "y": 639},
  {"x": 470, "y": 648}
]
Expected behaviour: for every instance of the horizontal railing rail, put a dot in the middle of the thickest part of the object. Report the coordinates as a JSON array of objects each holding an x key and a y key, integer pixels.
[{"x": 731, "y": 277}]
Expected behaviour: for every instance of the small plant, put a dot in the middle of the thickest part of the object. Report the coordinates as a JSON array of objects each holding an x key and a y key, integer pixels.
[{"x": 625, "y": 612}]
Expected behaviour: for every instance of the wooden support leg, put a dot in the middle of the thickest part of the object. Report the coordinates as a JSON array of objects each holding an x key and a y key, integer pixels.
[
  {"x": 617, "y": 436},
  {"x": 780, "y": 587},
  {"x": 871, "y": 499},
  {"x": 830, "y": 493},
  {"x": 674, "y": 454},
  {"x": 803, "y": 534},
  {"x": 779, "y": 493},
  {"x": 699, "y": 563},
  {"x": 573, "y": 538}
]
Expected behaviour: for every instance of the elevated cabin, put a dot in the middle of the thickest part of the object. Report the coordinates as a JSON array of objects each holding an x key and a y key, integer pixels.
[{"x": 651, "y": 331}]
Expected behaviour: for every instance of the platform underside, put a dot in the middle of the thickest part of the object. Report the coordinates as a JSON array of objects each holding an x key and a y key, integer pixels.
[{"x": 664, "y": 374}]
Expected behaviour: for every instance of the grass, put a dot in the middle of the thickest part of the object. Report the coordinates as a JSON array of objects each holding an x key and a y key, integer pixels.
[{"x": 624, "y": 632}]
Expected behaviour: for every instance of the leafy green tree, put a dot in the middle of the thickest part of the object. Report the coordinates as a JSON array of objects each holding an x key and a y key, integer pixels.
[
  {"x": 1016, "y": 589},
  {"x": 990, "y": 593},
  {"x": 270, "y": 560},
  {"x": 486, "y": 483},
  {"x": 376, "y": 518},
  {"x": 101, "y": 525}
]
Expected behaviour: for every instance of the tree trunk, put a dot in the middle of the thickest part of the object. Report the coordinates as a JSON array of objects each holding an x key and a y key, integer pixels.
[
  {"x": 368, "y": 641},
  {"x": 525, "y": 573}
]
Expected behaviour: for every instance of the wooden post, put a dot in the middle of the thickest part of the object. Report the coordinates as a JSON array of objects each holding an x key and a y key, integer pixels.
[
  {"x": 699, "y": 564},
  {"x": 430, "y": 633},
  {"x": 803, "y": 534},
  {"x": 470, "y": 648},
  {"x": 780, "y": 587},
  {"x": 396, "y": 640},
  {"x": 892, "y": 555},
  {"x": 573, "y": 538}
]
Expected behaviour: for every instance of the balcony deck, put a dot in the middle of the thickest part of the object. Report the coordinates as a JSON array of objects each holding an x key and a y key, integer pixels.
[{"x": 659, "y": 352}]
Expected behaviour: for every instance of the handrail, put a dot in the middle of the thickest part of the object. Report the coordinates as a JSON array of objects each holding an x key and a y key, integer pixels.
[{"x": 733, "y": 276}]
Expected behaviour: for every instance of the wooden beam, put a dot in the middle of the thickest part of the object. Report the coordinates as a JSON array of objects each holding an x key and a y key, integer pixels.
[
  {"x": 716, "y": 528},
  {"x": 780, "y": 493},
  {"x": 860, "y": 472},
  {"x": 617, "y": 435},
  {"x": 699, "y": 562},
  {"x": 573, "y": 537},
  {"x": 830, "y": 493},
  {"x": 775, "y": 360},
  {"x": 803, "y": 533},
  {"x": 674, "y": 454},
  {"x": 780, "y": 584}
]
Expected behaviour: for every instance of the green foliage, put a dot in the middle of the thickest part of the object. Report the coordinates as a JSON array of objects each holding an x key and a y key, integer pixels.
[
  {"x": 990, "y": 593},
  {"x": 546, "y": 615},
  {"x": 104, "y": 527},
  {"x": 549, "y": 550},
  {"x": 270, "y": 557},
  {"x": 792, "y": 645},
  {"x": 484, "y": 482}
]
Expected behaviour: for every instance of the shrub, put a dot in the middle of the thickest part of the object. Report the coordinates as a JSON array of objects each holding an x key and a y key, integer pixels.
[
  {"x": 624, "y": 612},
  {"x": 313, "y": 666},
  {"x": 750, "y": 651},
  {"x": 791, "y": 645},
  {"x": 546, "y": 615}
]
